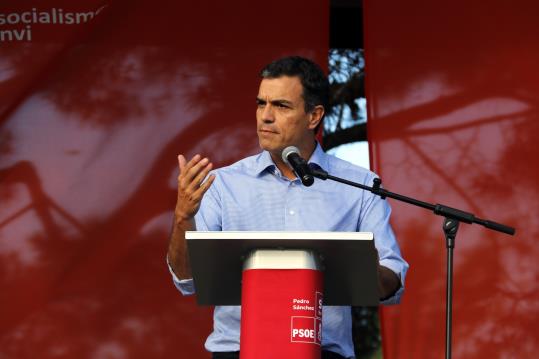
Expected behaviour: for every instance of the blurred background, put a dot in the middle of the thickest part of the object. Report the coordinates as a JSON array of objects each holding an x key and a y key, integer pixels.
[{"x": 97, "y": 98}]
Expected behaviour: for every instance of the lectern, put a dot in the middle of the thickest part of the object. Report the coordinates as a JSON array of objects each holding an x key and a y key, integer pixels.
[{"x": 281, "y": 279}]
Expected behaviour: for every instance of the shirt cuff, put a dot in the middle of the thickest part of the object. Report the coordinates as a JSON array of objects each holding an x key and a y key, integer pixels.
[
  {"x": 400, "y": 270},
  {"x": 185, "y": 286}
]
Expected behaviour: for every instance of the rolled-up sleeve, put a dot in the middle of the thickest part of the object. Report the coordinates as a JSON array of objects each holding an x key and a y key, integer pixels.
[
  {"x": 375, "y": 214},
  {"x": 185, "y": 286},
  {"x": 400, "y": 270}
]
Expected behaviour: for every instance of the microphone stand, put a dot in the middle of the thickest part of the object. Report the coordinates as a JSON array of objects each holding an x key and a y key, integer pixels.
[{"x": 452, "y": 219}]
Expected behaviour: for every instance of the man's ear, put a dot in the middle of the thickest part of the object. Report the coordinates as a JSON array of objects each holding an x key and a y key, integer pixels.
[{"x": 316, "y": 116}]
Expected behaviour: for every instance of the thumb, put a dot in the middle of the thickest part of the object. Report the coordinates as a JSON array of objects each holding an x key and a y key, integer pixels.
[{"x": 181, "y": 162}]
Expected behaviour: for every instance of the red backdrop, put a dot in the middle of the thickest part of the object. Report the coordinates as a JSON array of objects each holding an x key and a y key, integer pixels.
[
  {"x": 92, "y": 116},
  {"x": 454, "y": 118}
]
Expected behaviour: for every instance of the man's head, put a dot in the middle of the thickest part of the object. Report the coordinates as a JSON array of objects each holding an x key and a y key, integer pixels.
[
  {"x": 291, "y": 100},
  {"x": 314, "y": 81}
]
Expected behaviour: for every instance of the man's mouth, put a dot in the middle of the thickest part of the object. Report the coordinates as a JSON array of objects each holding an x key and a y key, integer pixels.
[{"x": 266, "y": 130}]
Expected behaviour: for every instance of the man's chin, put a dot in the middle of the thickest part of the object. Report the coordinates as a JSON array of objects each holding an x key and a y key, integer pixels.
[
  {"x": 265, "y": 145},
  {"x": 273, "y": 149}
]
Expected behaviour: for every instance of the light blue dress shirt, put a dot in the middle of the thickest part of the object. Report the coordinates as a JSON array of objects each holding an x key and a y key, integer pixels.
[{"x": 252, "y": 195}]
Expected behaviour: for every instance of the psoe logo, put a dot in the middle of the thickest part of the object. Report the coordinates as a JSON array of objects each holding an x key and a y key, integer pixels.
[{"x": 304, "y": 330}]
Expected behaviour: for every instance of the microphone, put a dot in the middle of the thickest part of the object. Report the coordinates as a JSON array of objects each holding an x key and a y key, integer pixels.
[{"x": 291, "y": 157}]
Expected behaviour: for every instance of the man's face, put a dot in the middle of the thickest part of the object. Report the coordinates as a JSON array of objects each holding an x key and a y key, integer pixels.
[{"x": 280, "y": 115}]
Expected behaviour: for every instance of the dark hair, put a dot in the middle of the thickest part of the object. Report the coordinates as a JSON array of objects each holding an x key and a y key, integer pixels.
[{"x": 313, "y": 80}]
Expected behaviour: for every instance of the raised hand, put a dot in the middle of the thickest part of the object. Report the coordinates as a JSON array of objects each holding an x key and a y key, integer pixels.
[{"x": 191, "y": 185}]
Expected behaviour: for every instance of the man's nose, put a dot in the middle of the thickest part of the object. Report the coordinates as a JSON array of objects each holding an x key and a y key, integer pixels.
[{"x": 267, "y": 114}]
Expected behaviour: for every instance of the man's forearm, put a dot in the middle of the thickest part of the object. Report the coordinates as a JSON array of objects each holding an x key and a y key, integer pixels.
[
  {"x": 388, "y": 282},
  {"x": 177, "y": 255}
]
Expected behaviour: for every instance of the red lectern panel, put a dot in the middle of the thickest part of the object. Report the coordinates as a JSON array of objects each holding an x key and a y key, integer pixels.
[{"x": 281, "y": 306}]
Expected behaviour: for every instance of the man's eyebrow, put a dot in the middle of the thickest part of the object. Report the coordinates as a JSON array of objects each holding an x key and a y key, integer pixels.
[
  {"x": 282, "y": 102},
  {"x": 276, "y": 102}
]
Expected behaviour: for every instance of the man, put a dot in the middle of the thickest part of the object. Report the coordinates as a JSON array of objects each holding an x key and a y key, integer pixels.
[{"x": 262, "y": 193}]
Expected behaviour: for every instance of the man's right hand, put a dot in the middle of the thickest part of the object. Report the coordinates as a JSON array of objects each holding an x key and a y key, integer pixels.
[
  {"x": 191, "y": 189},
  {"x": 191, "y": 186}
]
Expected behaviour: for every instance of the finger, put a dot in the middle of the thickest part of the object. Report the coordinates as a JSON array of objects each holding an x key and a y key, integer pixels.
[
  {"x": 193, "y": 161},
  {"x": 186, "y": 166},
  {"x": 199, "y": 178},
  {"x": 190, "y": 173},
  {"x": 205, "y": 186}
]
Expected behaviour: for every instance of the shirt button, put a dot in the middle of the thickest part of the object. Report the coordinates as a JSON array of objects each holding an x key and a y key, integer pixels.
[{"x": 291, "y": 212}]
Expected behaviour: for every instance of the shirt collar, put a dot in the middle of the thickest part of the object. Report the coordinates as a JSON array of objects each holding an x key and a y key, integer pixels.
[
  {"x": 264, "y": 162},
  {"x": 319, "y": 157}
]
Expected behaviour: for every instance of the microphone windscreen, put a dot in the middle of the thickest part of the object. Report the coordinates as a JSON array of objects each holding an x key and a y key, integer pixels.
[{"x": 287, "y": 151}]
